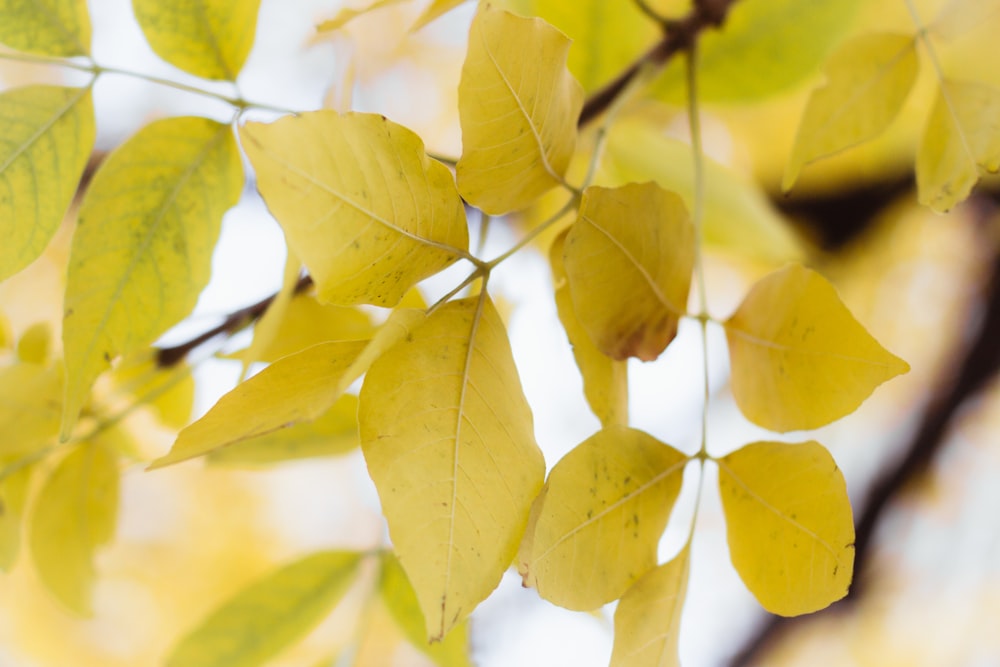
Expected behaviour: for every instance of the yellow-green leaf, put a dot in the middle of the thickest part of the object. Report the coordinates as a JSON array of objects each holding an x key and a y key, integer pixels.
[
  {"x": 362, "y": 205},
  {"x": 448, "y": 438},
  {"x": 604, "y": 509},
  {"x": 629, "y": 258},
  {"x": 143, "y": 247},
  {"x": 789, "y": 525},
  {"x": 799, "y": 358},
  {"x": 35, "y": 343},
  {"x": 335, "y": 432},
  {"x": 868, "y": 80},
  {"x": 962, "y": 137},
  {"x": 74, "y": 514},
  {"x": 518, "y": 107},
  {"x": 434, "y": 10},
  {"x": 48, "y": 135},
  {"x": 648, "y": 617},
  {"x": 605, "y": 381},
  {"x": 347, "y": 14},
  {"x": 50, "y": 27},
  {"x": 207, "y": 38},
  {"x": 261, "y": 620},
  {"x": 14, "y": 484},
  {"x": 30, "y": 408},
  {"x": 170, "y": 390}
]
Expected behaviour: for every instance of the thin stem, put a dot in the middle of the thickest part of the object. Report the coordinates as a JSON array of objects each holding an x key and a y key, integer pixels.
[
  {"x": 530, "y": 236},
  {"x": 462, "y": 285},
  {"x": 484, "y": 231}
]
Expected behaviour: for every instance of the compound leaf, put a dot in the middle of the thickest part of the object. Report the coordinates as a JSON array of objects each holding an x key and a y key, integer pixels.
[{"x": 58, "y": 28}]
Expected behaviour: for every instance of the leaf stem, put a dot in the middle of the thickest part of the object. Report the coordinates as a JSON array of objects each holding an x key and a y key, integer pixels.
[{"x": 541, "y": 227}]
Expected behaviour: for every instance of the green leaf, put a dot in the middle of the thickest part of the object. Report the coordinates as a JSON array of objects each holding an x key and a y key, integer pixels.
[
  {"x": 14, "y": 485},
  {"x": 207, "y": 38},
  {"x": 270, "y": 614},
  {"x": 49, "y": 27},
  {"x": 143, "y": 247},
  {"x": 48, "y": 135}
]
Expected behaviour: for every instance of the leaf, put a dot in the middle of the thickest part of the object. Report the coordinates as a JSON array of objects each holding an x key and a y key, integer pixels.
[
  {"x": 648, "y": 618},
  {"x": 14, "y": 485},
  {"x": 436, "y": 9},
  {"x": 142, "y": 250},
  {"x": 270, "y": 614},
  {"x": 868, "y": 80},
  {"x": 207, "y": 38},
  {"x": 266, "y": 329},
  {"x": 961, "y": 16},
  {"x": 346, "y": 15},
  {"x": 74, "y": 514},
  {"x": 170, "y": 391},
  {"x": 799, "y": 358},
  {"x": 335, "y": 432},
  {"x": 605, "y": 381},
  {"x": 448, "y": 438},
  {"x": 962, "y": 135},
  {"x": 789, "y": 525},
  {"x": 362, "y": 205},
  {"x": 35, "y": 344},
  {"x": 58, "y": 28},
  {"x": 604, "y": 509},
  {"x": 48, "y": 135},
  {"x": 518, "y": 106},
  {"x": 30, "y": 408},
  {"x": 629, "y": 258}
]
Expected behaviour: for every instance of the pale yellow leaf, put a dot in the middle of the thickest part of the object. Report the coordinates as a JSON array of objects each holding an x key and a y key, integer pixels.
[
  {"x": 74, "y": 514},
  {"x": 604, "y": 509},
  {"x": 448, "y": 438},
  {"x": 270, "y": 614},
  {"x": 434, "y": 10},
  {"x": 207, "y": 38},
  {"x": 142, "y": 250},
  {"x": 789, "y": 524},
  {"x": 48, "y": 135},
  {"x": 48, "y": 27},
  {"x": 629, "y": 258},
  {"x": 168, "y": 391},
  {"x": 799, "y": 358},
  {"x": 362, "y": 205},
  {"x": 347, "y": 14},
  {"x": 868, "y": 80},
  {"x": 6, "y": 333},
  {"x": 605, "y": 381},
  {"x": 14, "y": 483},
  {"x": 35, "y": 344},
  {"x": 265, "y": 332},
  {"x": 30, "y": 408},
  {"x": 962, "y": 137},
  {"x": 648, "y": 617},
  {"x": 958, "y": 17},
  {"x": 518, "y": 107}
]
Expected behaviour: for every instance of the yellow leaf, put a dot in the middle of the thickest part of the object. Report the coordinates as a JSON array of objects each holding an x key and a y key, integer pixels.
[
  {"x": 6, "y": 333},
  {"x": 14, "y": 484},
  {"x": 170, "y": 391},
  {"x": 35, "y": 343},
  {"x": 30, "y": 407},
  {"x": 50, "y": 27},
  {"x": 361, "y": 204},
  {"x": 48, "y": 135},
  {"x": 434, "y": 10},
  {"x": 961, "y": 16},
  {"x": 207, "y": 38},
  {"x": 604, "y": 509},
  {"x": 448, "y": 438},
  {"x": 868, "y": 79},
  {"x": 799, "y": 358},
  {"x": 518, "y": 106},
  {"x": 74, "y": 514},
  {"x": 265, "y": 332},
  {"x": 335, "y": 432},
  {"x": 648, "y": 617},
  {"x": 142, "y": 251},
  {"x": 629, "y": 258},
  {"x": 346, "y": 15},
  {"x": 261, "y": 620},
  {"x": 789, "y": 524},
  {"x": 605, "y": 381},
  {"x": 961, "y": 137}
]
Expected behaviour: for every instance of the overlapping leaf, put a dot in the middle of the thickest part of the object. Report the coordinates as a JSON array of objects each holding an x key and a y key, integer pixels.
[
  {"x": 170, "y": 391},
  {"x": 799, "y": 358},
  {"x": 362, "y": 205},
  {"x": 143, "y": 247},
  {"x": 14, "y": 485},
  {"x": 958, "y": 17},
  {"x": 789, "y": 524},
  {"x": 49, "y": 27},
  {"x": 434, "y": 10},
  {"x": 47, "y": 138},
  {"x": 600, "y": 517},
  {"x": 347, "y": 14},
  {"x": 30, "y": 408},
  {"x": 518, "y": 106},
  {"x": 447, "y": 435}
]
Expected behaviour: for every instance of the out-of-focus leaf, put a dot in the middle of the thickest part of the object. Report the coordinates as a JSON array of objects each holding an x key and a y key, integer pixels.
[
  {"x": 49, "y": 27},
  {"x": 14, "y": 484},
  {"x": 346, "y": 15},
  {"x": 434, "y": 10},
  {"x": 30, "y": 408},
  {"x": 961, "y": 16},
  {"x": 168, "y": 391},
  {"x": 35, "y": 344}
]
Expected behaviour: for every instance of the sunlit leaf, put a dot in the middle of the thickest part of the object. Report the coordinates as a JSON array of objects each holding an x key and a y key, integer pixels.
[
  {"x": 49, "y": 27},
  {"x": 143, "y": 247},
  {"x": 35, "y": 344},
  {"x": 362, "y": 205},
  {"x": 628, "y": 259},
  {"x": 518, "y": 106},
  {"x": 74, "y": 514},
  {"x": 448, "y": 438},
  {"x": 434, "y": 10},
  {"x": 605, "y": 381},
  {"x": 789, "y": 524},
  {"x": 868, "y": 79},
  {"x": 958, "y": 17},
  {"x": 648, "y": 618},
  {"x": 347, "y": 14},
  {"x": 14, "y": 485},
  {"x": 799, "y": 358},
  {"x": 261, "y": 620},
  {"x": 30, "y": 408},
  {"x": 605, "y": 506},
  {"x": 48, "y": 134},
  {"x": 962, "y": 137},
  {"x": 208, "y": 38}
]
